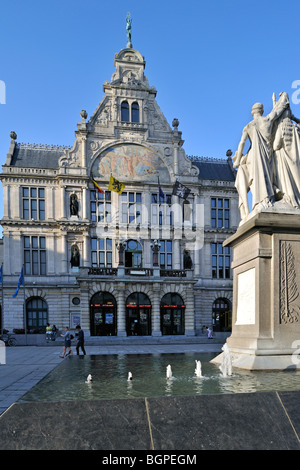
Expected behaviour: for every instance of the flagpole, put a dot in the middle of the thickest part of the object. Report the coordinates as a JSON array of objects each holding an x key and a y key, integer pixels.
[
  {"x": 2, "y": 316},
  {"x": 24, "y": 308}
]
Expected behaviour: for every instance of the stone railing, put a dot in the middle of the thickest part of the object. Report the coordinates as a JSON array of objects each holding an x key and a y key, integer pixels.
[
  {"x": 139, "y": 272},
  {"x": 103, "y": 271}
]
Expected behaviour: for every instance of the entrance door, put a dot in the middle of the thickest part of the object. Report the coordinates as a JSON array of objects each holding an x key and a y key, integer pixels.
[
  {"x": 172, "y": 311},
  {"x": 103, "y": 315},
  {"x": 138, "y": 315},
  {"x": 221, "y": 315}
]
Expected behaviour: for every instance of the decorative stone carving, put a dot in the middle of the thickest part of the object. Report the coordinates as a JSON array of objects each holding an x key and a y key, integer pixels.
[{"x": 289, "y": 292}]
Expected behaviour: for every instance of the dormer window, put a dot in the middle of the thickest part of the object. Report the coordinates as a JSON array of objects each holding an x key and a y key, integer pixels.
[
  {"x": 135, "y": 112},
  {"x": 125, "y": 112}
]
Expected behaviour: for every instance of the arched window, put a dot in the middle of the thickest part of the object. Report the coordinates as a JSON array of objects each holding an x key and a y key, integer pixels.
[
  {"x": 103, "y": 314},
  {"x": 135, "y": 112},
  {"x": 36, "y": 314},
  {"x": 221, "y": 315},
  {"x": 172, "y": 310},
  {"x": 138, "y": 314},
  {"x": 125, "y": 112},
  {"x": 133, "y": 254}
]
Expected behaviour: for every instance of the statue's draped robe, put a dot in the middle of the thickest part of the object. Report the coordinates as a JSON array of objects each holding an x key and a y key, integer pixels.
[
  {"x": 286, "y": 168},
  {"x": 256, "y": 173}
]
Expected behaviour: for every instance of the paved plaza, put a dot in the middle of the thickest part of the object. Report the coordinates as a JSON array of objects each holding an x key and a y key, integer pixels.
[{"x": 26, "y": 365}]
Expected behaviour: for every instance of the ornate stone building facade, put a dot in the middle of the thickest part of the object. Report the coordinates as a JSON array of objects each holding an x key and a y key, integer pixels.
[{"x": 138, "y": 259}]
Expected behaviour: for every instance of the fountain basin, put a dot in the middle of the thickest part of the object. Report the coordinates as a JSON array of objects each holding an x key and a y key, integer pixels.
[{"x": 67, "y": 382}]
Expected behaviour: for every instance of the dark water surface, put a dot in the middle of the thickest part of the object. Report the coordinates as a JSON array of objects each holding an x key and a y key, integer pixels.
[{"x": 110, "y": 373}]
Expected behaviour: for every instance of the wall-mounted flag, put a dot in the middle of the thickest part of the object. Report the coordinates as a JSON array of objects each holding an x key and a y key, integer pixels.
[
  {"x": 115, "y": 185},
  {"x": 160, "y": 191},
  {"x": 20, "y": 282},
  {"x": 96, "y": 185},
  {"x": 180, "y": 190}
]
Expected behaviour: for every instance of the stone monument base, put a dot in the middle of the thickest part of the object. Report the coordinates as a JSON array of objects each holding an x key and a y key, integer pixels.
[{"x": 266, "y": 291}]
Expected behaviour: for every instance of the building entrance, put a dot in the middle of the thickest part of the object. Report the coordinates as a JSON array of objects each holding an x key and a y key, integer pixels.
[
  {"x": 221, "y": 315},
  {"x": 103, "y": 314},
  {"x": 138, "y": 315},
  {"x": 172, "y": 310}
]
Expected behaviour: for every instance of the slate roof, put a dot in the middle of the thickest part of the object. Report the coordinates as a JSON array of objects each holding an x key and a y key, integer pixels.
[
  {"x": 36, "y": 157},
  {"x": 214, "y": 169}
]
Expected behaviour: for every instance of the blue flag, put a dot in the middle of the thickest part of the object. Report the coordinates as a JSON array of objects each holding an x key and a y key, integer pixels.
[
  {"x": 20, "y": 282},
  {"x": 160, "y": 191},
  {"x": 1, "y": 273}
]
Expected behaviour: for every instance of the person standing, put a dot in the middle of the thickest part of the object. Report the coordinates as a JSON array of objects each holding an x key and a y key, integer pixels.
[{"x": 80, "y": 340}]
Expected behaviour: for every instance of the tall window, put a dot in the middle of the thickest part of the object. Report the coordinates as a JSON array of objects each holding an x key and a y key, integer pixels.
[
  {"x": 220, "y": 261},
  {"x": 161, "y": 209},
  {"x": 36, "y": 313},
  {"x": 219, "y": 212},
  {"x": 102, "y": 252},
  {"x": 125, "y": 112},
  {"x": 35, "y": 255},
  {"x": 33, "y": 203},
  {"x": 166, "y": 254},
  {"x": 101, "y": 206},
  {"x": 135, "y": 112},
  {"x": 131, "y": 207}
]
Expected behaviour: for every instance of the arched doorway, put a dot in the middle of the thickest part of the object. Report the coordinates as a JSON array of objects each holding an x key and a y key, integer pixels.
[
  {"x": 138, "y": 315},
  {"x": 133, "y": 254},
  {"x": 36, "y": 314},
  {"x": 221, "y": 315},
  {"x": 103, "y": 314},
  {"x": 172, "y": 311}
]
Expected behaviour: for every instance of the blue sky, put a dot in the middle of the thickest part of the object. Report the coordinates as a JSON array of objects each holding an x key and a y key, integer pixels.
[{"x": 209, "y": 61}]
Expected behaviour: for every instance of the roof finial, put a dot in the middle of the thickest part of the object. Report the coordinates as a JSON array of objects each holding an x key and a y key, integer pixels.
[{"x": 128, "y": 30}]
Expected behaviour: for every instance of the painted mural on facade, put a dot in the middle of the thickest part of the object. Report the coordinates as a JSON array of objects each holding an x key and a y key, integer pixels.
[{"x": 131, "y": 162}]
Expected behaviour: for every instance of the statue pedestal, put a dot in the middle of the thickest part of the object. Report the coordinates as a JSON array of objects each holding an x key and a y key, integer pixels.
[{"x": 266, "y": 292}]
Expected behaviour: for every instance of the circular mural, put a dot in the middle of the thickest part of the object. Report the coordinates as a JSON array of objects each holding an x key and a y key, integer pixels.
[{"x": 131, "y": 162}]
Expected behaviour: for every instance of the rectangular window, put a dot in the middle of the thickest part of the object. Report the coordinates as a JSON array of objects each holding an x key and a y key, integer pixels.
[
  {"x": 100, "y": 204},
  {"x": 35, "y": 255},
  {"x": 220, "y": 261},
  {"x": 161, "y": 210},
  {"x": 33, "y": 203},
  {"x": 101, "y": 252},
  {"x": 131, "y": 207},
  {"x": 166, "y": 254},
  {"x": 220, "y": 213}
]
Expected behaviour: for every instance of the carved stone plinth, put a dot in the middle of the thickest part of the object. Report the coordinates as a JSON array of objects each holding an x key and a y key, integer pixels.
[{"x": 266, "y": 292}]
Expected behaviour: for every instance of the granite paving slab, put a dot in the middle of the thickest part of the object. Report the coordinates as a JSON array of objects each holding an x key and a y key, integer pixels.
[{"x": 245, "y": 421}]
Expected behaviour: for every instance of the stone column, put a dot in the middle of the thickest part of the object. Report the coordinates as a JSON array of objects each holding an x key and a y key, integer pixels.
[
  {"x": 189, "y": 311},
  {"x": 62, "y": 203},
  {"x": 121, "y": 320},
  {"x": 85, "y": 309},
  {"x": 155, "y": 312}
]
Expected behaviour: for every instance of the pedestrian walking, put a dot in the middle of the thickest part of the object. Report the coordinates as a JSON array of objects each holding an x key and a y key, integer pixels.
[
  {"x": 67, "y": 344},
  {"x": 80, "y": 340}
]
